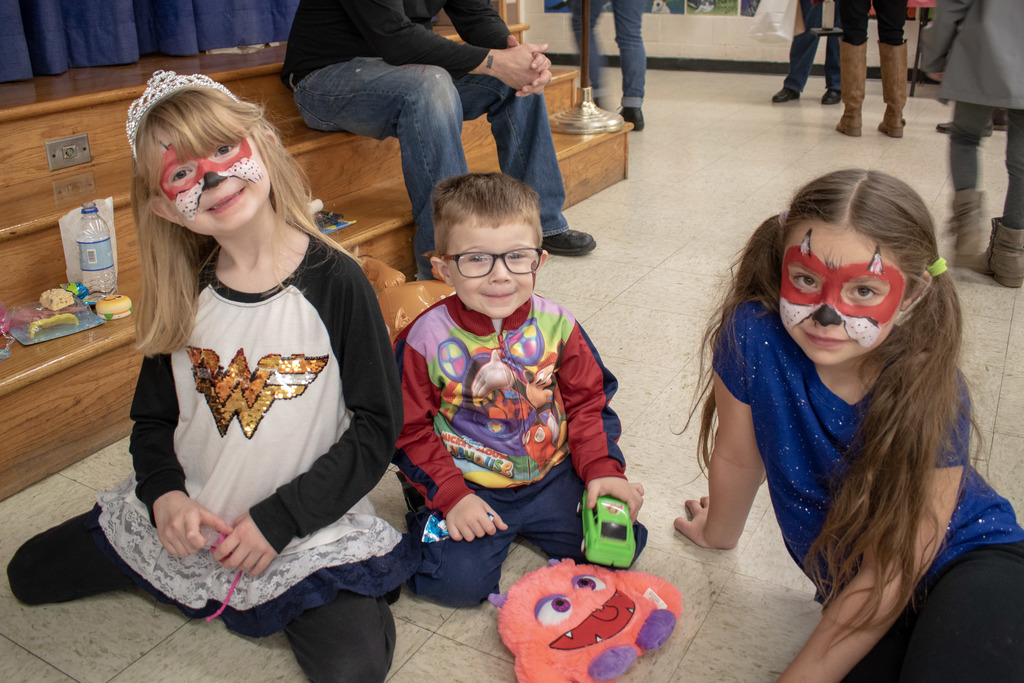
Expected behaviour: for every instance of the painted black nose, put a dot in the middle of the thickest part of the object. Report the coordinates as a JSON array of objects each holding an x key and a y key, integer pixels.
[
  {"x": 826, "y": 315},
  {"x": 212, "y": 180}
]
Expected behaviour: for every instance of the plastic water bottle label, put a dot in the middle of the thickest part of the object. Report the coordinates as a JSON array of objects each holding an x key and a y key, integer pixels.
[{"x": 93, "y": 256}]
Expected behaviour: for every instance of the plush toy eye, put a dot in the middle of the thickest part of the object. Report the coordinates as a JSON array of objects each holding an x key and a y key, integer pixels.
[
  {"x": 552, "y": 609},
  {"x": 587, "y": 581}
]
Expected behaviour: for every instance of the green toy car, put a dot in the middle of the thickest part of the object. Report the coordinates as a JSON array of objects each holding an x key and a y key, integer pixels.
[{"x": 607, "y": 532}]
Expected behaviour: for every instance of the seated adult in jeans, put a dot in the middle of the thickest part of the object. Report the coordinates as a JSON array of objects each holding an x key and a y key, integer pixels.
[
  {"x": 801, "y": 59},
  {"x": 378, "y": 69}
]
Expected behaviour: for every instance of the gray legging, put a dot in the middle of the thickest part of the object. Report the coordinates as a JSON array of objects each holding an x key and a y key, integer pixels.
[{"x": 969, "y": 121}]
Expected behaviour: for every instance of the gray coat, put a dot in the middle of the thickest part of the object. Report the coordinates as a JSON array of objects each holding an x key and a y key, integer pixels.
[{"x": 979, "y": 47}]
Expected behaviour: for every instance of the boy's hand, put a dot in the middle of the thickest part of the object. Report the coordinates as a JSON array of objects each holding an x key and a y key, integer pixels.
[
  {"x": 178, "y": 519},
  {"x": 469, "y": 519},
  {"x": 245, "y": 548},
  {"x": 630, "y": 494}
]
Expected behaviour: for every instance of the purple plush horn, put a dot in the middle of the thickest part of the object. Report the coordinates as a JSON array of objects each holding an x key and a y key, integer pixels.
[{"x": 497, "y": 599}]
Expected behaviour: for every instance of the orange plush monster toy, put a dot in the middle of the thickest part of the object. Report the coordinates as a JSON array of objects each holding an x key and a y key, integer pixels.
[{"x": 584, "y": 623}]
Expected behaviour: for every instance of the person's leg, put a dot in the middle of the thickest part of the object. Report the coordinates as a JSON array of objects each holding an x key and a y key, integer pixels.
[
  {"x": 1013, "y": 208},
  {"x": 349, "y": 639},
  {"x": 417, "y": 104},
  {"x": 549, "y": 515},
  {"x": 595, "y": 58},
  {"x": 970, "y": 627},
  {"x": 463, "y": 573},
  {"x": 891, "y": 15},
  {"x": 62, "y": 564},
  {"x": 1007, "y": 242},
  {"x": 969, "y": 121},
  {"x": 628, "y": 16},
  {"x": 526, "y": 151},
  {"x": 802, "y": 49},
  {"x": 854, "y": 17}
]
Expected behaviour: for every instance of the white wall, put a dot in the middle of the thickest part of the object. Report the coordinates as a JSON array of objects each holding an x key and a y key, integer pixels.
[{"x": 685, "y": 35}]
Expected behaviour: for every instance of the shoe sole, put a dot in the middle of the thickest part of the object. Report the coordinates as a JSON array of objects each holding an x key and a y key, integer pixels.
[{"x": 580, "y": 251}]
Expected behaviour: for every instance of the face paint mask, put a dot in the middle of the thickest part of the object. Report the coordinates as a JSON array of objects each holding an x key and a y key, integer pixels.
[
  {"x": 184, "y": 181},
  {"x": 828, "y": 301}
]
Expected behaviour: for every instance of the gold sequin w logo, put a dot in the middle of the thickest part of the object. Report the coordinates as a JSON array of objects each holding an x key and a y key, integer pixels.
[{"x": 237, "y": 391}]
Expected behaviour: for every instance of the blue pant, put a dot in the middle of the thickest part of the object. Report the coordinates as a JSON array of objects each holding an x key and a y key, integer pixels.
[
  {"x": 969, "y": 121},
  {"x": 424, "y": 108},
  {"x": 628, "y": 16},
  {"x": 464, "y": 573},
  {"x": 801, "y": 52}
]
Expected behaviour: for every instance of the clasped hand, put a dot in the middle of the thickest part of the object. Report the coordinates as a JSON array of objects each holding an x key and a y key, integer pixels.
[{"x": 179, "y": 518}]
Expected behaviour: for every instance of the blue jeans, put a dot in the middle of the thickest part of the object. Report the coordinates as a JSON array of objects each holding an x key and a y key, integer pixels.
[
  {"x": 464, "y": 573},
  {"x": 969, "y": 121},
  {"x": 424, "y": 108},
  {"x": 628, "y": 16},
  {"x": 801, "y": 52}
]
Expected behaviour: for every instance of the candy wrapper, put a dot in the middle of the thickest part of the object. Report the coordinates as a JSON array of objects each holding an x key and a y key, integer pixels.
[{"x": 436, "y": 529}]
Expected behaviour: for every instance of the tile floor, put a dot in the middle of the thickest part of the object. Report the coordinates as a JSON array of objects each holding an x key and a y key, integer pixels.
[{"x": 716, "y": 158}]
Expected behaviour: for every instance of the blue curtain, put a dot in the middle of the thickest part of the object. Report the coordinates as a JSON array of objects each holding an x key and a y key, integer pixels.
[{"x": 45, "y": 37}]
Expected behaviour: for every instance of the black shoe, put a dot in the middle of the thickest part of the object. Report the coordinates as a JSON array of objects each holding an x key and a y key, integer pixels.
[
  {"x": 569, "y": 243},
  {"x": 785, "y": 95},
  {"x": 947, "y": 128},
  {"x": 832, "y": 97},
  {"x": 635, "y": 116}
]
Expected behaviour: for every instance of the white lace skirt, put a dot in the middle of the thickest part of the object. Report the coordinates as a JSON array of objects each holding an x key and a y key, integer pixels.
[{"x": 369, "y": 557}]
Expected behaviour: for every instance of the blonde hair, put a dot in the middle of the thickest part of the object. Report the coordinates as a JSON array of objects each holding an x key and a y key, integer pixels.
[
  {"x": 171, "y": 256},
  {"x": 881, "y": 500},
  {"x": 485, "y": 198}
]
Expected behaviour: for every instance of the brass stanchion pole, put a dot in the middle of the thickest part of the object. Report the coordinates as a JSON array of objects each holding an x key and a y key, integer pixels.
[{"x": 586, "y": 117}]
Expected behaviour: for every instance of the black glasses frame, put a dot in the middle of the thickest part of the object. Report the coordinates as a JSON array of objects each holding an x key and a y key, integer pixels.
[{"x": 494, "y": 259}]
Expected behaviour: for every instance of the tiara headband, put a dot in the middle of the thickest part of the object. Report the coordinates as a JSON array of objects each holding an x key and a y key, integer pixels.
[{"x": 160, "y": 85}]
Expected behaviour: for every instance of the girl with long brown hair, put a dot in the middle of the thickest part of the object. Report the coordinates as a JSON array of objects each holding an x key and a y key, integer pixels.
[
  {"x": 266, "y": 409},
  {"x": 835, "y": 378}
]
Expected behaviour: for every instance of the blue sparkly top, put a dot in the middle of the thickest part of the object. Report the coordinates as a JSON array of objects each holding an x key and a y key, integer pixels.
[{"x": 802, "y": 429}]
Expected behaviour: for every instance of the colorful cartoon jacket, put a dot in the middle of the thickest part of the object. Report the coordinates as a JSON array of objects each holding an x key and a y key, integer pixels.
[{"x": 501, "y": 409}]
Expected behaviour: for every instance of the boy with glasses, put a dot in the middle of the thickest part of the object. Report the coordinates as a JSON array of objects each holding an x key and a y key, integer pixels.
[{"x": 505, "y": 400}]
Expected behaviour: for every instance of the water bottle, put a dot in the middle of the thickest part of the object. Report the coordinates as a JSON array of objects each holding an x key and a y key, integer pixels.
[{"x": 95, "y": 255}]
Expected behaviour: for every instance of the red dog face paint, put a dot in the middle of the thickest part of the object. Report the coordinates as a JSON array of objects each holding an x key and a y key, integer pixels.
[
  {"x": 861, "y": 296},
  {"x": 184, "y": 181}
]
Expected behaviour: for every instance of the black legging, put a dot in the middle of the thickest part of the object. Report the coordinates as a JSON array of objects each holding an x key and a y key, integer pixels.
[
  {"x": 891, "y": 15},
  {"x": 969, "y": 626},
  {"x": 349, "y": 639}
]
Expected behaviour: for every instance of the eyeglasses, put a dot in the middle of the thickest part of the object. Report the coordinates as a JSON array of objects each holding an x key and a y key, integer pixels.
[{"x": 479, "y": 264}]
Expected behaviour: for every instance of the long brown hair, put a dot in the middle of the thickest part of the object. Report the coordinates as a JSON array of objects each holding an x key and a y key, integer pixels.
[
  {"x": 171, "y": 256},
  {"x": 880, "y": 502}
]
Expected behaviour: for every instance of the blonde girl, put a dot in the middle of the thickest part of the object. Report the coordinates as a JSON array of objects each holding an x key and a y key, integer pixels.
[
  {"x": 266, "y": 409},
  {"x": 835, "y": 379}
]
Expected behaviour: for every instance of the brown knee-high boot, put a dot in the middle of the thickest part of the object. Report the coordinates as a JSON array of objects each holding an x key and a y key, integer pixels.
[
  {"x": 853, "y": 70},
  {"x": 893, "y": 60}
]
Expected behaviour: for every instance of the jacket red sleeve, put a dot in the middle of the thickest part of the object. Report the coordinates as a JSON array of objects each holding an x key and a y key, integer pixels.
[{"x": 587, "y": 387}]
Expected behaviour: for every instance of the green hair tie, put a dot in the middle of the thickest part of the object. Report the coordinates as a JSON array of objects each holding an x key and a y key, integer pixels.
[{"x": 938, "y": 267}]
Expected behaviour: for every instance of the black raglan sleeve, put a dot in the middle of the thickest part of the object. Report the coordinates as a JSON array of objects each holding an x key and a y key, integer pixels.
[{"x": 155, "y": 414}]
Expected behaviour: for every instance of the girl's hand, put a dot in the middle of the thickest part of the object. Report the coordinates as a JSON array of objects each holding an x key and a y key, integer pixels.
[
  {"x": 178, "y": 519},
  {"x": 472, "y": 518},
  {"x": 693, "y": 528},
  {"x": 616, "y": 487},
  {"x": 245, "y": 548}
]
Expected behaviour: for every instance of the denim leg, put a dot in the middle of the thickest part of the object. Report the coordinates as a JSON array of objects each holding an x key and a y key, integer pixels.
[
  {"x": 629, "y": 16},
  {"x": 521, "y": 131},
  {"x": 417, "y": 104},
  {"x": 969, "y": 121},
  {"x": 803, "y": 47},
  {"x": 1013, "y": 209},
  {"x": 549, "y": 518},
  {"x": 596, "y": 59}
]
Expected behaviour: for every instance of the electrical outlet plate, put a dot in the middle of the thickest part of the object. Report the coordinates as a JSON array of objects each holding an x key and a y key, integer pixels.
[{"x": 70, "y": 151}]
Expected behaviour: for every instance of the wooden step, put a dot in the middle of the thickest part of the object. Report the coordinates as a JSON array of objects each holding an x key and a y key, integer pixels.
[{"x": 63, "y": 399}]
